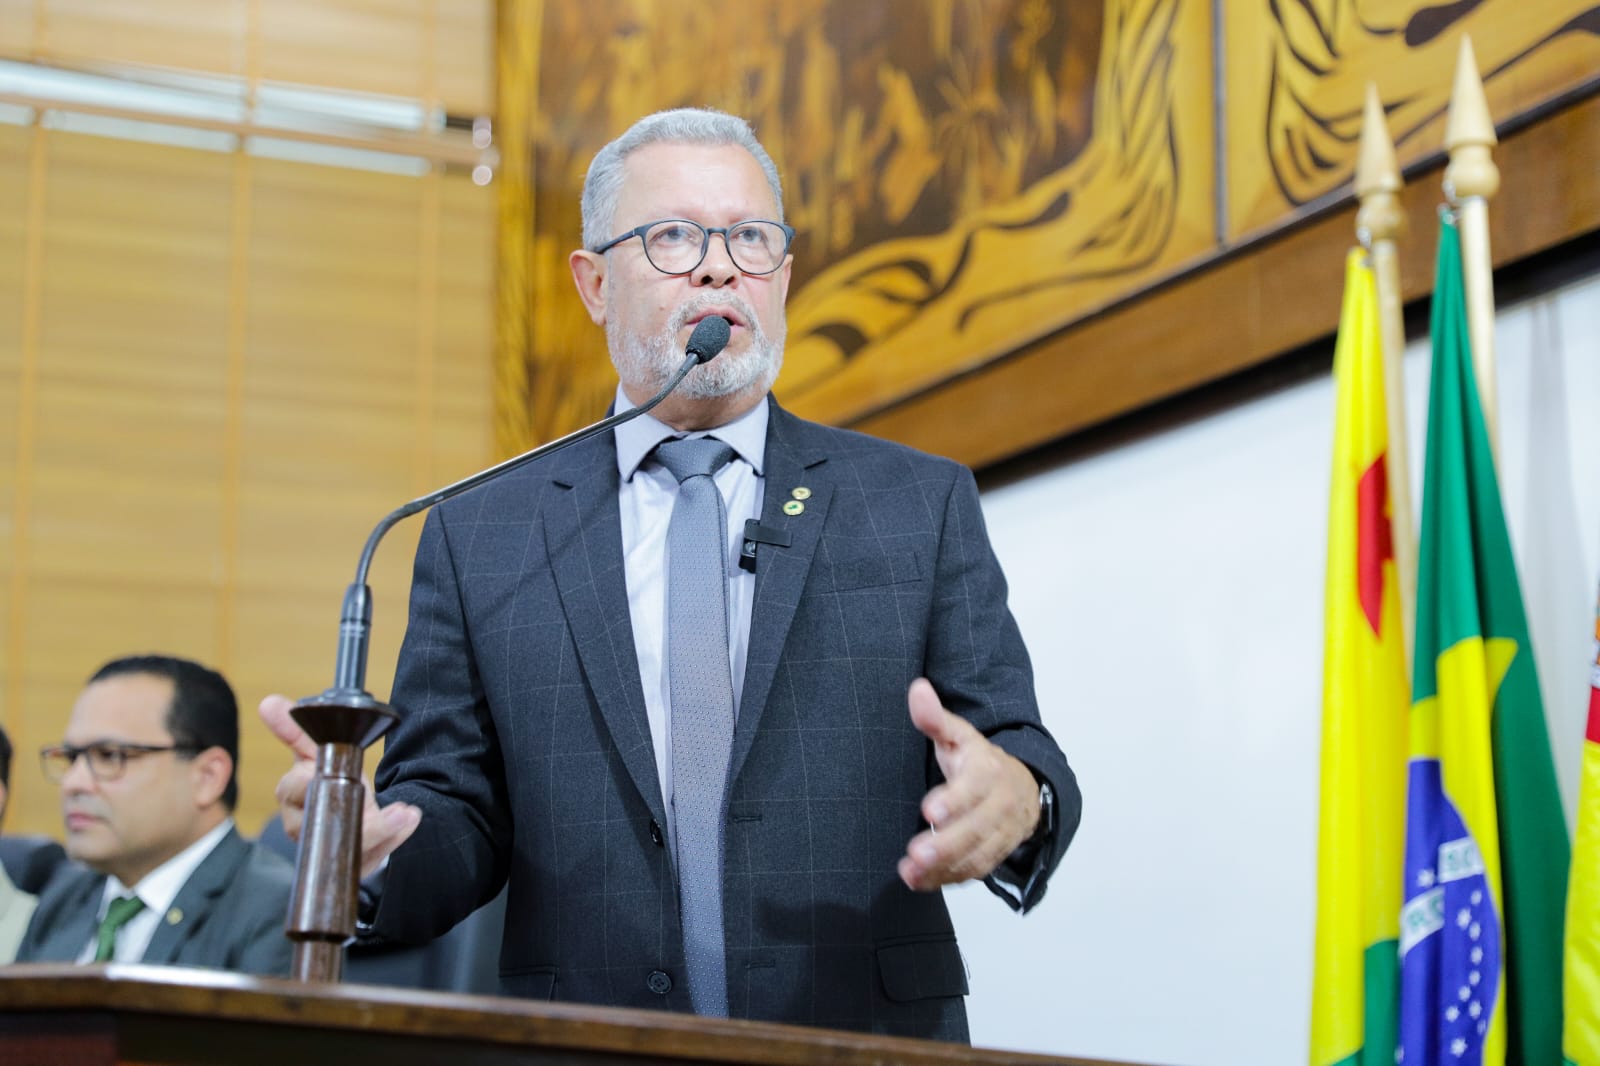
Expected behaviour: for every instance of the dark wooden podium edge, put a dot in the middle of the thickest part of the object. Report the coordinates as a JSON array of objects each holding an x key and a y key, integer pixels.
[{"x": 40, "y": 989}]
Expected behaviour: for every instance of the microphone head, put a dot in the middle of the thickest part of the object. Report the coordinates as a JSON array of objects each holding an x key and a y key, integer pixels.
[{"x": 710, "y": 336}]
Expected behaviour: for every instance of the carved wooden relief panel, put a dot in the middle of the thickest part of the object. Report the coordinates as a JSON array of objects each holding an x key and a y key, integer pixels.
[{"x": 972, "y": 177}]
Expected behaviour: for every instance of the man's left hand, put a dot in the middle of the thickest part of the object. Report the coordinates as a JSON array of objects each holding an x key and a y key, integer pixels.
[{"x": 987, "y": 805}]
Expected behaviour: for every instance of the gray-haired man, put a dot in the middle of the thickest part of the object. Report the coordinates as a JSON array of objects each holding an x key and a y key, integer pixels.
[{"x": 715, "y": 794}]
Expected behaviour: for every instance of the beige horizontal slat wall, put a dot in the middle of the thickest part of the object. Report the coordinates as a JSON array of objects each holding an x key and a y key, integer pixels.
[
  {"x": 376, "y": 46},
  {"x": 16, "y": 300},
  {"x": 218, "y": 371}
]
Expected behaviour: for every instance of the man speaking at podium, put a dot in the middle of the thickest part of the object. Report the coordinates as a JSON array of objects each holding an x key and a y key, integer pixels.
[{"x": 725, "y": 767}]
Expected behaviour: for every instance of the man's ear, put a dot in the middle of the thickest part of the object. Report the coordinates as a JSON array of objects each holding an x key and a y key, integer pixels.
[
  {"x": 589, "y": 274},
  {"x": 784, "y": 273},
  {"x": 212, "y": 769}
]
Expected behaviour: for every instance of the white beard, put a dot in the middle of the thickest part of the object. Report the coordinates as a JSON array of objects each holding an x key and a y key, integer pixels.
[{"x": 650, "y": 361}]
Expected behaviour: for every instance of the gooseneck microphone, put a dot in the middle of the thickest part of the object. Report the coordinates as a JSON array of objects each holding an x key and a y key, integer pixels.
[
  {"x": 709, "y": 337},
  {"x": 345, "y": 719},
  {"x": 706, "y": 342}
]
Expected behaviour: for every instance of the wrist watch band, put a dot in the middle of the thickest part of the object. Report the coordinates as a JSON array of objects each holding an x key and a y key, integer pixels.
[
  {"x": 1023, "y": 856},
  {"x": 1047, "y": 816}
]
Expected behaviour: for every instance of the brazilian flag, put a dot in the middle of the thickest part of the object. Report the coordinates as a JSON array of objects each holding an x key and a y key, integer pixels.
[{"x": 1486, "y": 850}]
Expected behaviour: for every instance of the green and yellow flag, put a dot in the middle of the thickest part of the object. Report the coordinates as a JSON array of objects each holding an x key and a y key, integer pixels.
[
  {"x": 1581, "y": 1035},
  {"x": 1486, "y": 840},
  {"x": 1365, "y": 704}
]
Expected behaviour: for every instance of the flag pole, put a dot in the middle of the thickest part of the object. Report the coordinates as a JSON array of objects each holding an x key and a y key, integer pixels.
[
  {"x": 1379, "y": 222},
  {"x": 1469, "y": 181}
]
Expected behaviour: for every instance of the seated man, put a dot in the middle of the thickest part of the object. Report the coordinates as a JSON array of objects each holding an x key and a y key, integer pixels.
[
  {"x": 16, "y": 906},
  {"x": 147, "y": 773}
]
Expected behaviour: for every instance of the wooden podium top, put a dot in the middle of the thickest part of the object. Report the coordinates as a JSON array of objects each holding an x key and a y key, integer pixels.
[{"x": 156, "y": 1014}]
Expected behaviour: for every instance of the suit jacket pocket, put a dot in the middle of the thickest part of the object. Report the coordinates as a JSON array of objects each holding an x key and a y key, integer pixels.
[
  {"x": 924, "y": 967},
  {"x": 865, "y": 570},
  {"x": 533, "y": 982}
]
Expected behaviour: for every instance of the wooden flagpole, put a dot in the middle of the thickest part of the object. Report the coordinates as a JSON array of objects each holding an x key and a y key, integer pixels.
[
  {"x": 1469, "y": 181},
  {"x": 1379, "y": 222}
]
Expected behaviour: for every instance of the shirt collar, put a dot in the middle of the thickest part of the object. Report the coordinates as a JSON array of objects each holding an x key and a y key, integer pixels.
[
  {"x": 638, "y": 438},
  {"x": 161, "y": 886}
]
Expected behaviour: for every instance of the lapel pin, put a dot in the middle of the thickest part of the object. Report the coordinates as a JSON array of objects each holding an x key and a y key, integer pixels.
[
  {"x": 174, "y": 916},
  {"x": 793, "y": 507},
  {"x": 800, "y": 493}
]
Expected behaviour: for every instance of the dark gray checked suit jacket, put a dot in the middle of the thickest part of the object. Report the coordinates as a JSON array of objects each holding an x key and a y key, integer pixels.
[
  {"x": 229, "y": 915},
  {"x": 525, "y": 743}
]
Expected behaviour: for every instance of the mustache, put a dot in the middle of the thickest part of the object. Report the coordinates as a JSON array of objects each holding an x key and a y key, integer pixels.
[{"x": 699, "y": 305}]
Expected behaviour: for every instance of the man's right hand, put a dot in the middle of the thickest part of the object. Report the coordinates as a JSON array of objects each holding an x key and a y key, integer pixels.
[{"x": 382, "y": 829}]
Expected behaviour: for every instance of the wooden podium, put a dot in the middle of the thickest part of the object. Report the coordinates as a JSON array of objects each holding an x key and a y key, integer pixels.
[{"x": 164, "y": 1016}]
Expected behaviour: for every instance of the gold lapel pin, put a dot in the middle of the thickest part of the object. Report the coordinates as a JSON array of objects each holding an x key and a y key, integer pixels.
[
  {"x": 800, "y": 493},
  {"x": 174, "y": 916},
  {"x": 793, "y": 507}
]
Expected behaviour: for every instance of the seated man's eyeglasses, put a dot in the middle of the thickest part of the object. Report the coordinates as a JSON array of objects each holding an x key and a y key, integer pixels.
[
  {"x": 677, "y": 245},
  {"x": 107, "y": 761}
]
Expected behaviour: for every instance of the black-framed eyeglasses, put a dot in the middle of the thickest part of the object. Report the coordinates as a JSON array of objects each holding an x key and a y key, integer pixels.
[
  {"x": 107, "y": 761},
  {"x": 678, "y": 245}
]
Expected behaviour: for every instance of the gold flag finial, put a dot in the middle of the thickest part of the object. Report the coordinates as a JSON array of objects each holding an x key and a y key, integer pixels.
[
  {"x": 1376, "y": 169},
  {"x": 1469, "y": 134},
  {"x": 1377, "y": 177},
  {"x": 1469, "y": 181}
]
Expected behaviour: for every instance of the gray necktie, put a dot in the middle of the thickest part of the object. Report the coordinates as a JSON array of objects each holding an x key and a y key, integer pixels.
[{"x": 700, "y": 684}]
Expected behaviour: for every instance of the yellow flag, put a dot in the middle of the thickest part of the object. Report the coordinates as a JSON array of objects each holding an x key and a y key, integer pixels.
[
  {"x": 1580, "y": 1037},
  {"x": 1365, "y": 708}
]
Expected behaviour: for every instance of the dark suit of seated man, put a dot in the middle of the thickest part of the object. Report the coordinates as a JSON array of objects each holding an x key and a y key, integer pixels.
[{"x": 148, "y": 786}]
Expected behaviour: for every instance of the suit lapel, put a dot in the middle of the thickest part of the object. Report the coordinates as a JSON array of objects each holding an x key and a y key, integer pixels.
[
  {"x": 82, "y": 903},
  {"x": 792, "y": 461},
  {"x": 193, "y": 904},
  {"x": 583, "y": 537}
]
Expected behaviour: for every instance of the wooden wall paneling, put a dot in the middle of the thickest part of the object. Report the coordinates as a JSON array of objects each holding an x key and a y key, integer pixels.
[
  {"x": 15, "y": 184},
  {"x": 1295, "y": 75},
  {"x": 891, "y": 301},
  {"x": 329, "y": 395},
  {"x": 516, "y": 82},
  {"x": 426, "y": 340},
  {"x": 242, "y": 364},
  {"x": 436, "y": 50},
  {"x": 1243, "y": 310},
  {"x": 132, "y": 373},
  {"x": 121, "y": 523},
  {"x": 463, "y": 432},
  {"x": 375, "y": 46},
  {"x": 463, "y": 42},
  {"x": 238, "y": 289},
  {"x": 17, "y": 20},
  {"x": 14, "y": 189},
  {"x": 197, "y": 35},
  {"x": 429, "y": 50},
  {"x": 963, "y": 181},
  {"x": 367, "y": 383},
  {"x": 1136, "y": 203}
]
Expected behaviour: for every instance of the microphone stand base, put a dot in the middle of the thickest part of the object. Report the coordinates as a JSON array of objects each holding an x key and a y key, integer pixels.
[{"x": 322, "y": 909}]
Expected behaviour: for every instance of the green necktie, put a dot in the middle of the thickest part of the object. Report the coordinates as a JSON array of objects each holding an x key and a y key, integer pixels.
[{"x": 118, "y": 914}]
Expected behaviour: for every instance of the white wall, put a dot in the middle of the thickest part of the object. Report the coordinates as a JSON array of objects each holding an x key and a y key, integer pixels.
[{"x": 1171, "y": 594}]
